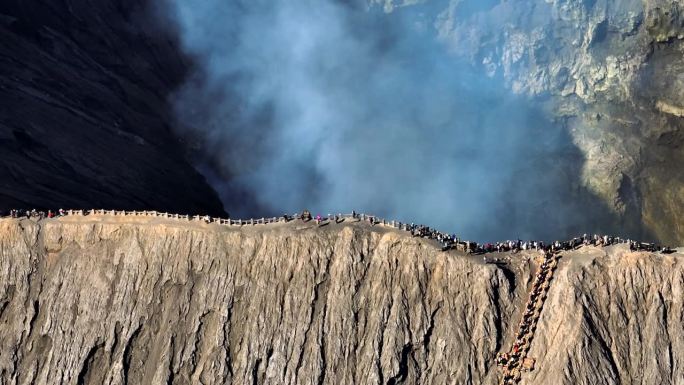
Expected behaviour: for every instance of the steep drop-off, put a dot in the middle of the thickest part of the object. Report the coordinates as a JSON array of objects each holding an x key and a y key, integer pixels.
[{"x": 108, "y": 300}]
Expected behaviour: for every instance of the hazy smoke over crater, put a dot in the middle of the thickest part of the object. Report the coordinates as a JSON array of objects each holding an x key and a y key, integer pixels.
[{"x": 333, "y": 107}]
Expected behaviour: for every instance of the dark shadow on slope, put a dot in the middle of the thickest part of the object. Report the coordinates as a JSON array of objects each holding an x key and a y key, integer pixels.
[{"x": 85, "y": 122}]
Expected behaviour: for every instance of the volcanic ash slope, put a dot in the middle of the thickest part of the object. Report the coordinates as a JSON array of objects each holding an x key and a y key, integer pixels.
[{"x": 100, "y": 300}]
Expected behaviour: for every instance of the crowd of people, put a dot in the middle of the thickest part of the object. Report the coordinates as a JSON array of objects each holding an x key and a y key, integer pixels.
[
  {"x": 447, "y": 241},
  {"x": 451, "y": 241}
]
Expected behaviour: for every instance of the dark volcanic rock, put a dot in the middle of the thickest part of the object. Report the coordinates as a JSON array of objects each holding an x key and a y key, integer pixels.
[{"x": 84, "y": 118}]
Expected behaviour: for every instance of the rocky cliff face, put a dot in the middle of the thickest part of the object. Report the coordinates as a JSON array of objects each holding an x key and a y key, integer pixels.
[
  {"x": 101, "y": 300},
  {"x": 610, "y": 72},
  {"x": 84, "y": 120}
]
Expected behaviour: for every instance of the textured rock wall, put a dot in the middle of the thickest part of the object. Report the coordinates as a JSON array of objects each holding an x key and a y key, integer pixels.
[
  {"x": 611, "y": 72},
  {"x": 102, "y": 301},
  {"x": 112, "y": 303},
  {"x": 613, "y": 319}
]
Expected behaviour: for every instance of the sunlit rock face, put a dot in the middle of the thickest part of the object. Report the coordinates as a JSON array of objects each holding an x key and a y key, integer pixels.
[
  {"x": 139, "y": 300},
  {"x": 612, "y": 73},
  {"x": 84, "y": 120}
]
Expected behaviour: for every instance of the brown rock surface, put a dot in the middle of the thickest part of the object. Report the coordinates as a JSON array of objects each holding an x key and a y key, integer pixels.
[{"x": 104, "y": 300}]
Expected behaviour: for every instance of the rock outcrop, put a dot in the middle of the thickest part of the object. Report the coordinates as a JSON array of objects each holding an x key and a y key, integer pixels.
[
  {"x": 106, "y": 300},
  {"x": 610, "y": 72}
]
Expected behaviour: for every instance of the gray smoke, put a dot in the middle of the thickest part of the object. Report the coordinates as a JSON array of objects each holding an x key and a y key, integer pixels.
[{"x": 332, "y": 106}]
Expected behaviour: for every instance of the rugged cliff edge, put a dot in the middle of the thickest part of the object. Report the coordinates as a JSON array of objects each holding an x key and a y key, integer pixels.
[{"x": 105, "y": 300}]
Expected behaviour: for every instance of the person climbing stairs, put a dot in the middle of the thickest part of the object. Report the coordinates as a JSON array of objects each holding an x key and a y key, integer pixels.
[{"x": 514, "y": 362}]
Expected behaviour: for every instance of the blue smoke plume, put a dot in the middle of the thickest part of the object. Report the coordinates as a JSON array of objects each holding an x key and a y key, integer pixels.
[{"x": 332, "y": 106}]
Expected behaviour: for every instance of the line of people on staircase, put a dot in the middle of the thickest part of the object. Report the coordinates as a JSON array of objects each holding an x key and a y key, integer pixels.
[{"x": 516, "y": 359}]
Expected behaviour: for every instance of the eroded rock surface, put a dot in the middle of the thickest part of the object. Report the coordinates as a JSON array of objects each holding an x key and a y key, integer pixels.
[
  {"x": 100, "y": 300},
  {"x": 611, "y": 72}
]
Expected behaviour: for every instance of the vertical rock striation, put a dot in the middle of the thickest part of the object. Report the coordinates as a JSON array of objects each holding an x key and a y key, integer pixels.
[
  {"x": 142, "y": 304},
  {"x": 106, "y": 301},
  {"x": 614, "y": 319}
]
